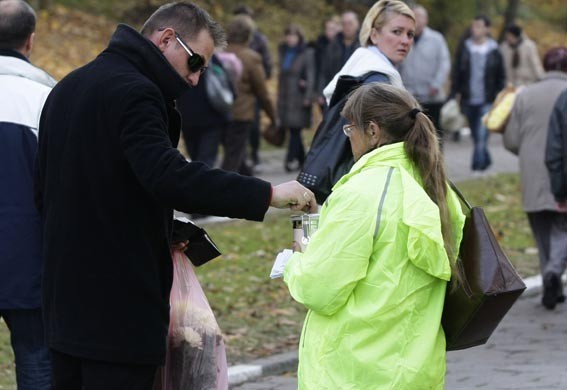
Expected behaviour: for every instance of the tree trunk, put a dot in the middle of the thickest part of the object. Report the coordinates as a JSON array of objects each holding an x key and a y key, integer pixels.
[
  {"x": 509, "y": 16},
  {"x": 482, "y": 7}
]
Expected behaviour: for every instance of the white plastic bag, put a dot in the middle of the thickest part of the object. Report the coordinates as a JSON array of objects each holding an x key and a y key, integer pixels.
[
  {"x": 196, "y": 355},
  {"x": 451, "y": 119}
]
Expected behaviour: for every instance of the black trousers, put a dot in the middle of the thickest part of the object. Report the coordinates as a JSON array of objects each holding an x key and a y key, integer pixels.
[
  {"x": 295, "y": 149},
  {"x": 73, "y": 373},
  {"x": 433, "y": 111},
  {"x": 234, "y": 142}
]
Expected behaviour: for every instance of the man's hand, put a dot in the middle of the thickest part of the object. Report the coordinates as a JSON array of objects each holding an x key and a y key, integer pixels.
[
  {"x": 562, "y": 206},
  {"x": 179, "y": 246},
  {"x": 295, "y": 196}
]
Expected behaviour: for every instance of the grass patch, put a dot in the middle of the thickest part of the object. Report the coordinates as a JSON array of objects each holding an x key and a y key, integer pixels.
[
  {"x": 7, "y": 372},
  {"x": 500, "y": 197},
  {"x": 257, "y": 315}
]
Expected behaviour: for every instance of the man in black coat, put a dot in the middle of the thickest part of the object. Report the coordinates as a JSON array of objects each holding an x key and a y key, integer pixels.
[
  {"x": 108, "y": 177},
  {"x": 338, "y": 51}
]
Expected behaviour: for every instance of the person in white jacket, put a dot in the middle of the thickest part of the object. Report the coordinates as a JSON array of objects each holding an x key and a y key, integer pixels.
[
  {"x": 386, "y": 38},
  {"x": 22, "y": 95},
  {"x": 426, "y": 68}
]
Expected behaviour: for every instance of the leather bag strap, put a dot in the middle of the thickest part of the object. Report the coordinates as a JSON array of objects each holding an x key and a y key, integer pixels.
[{"x": 460, "y": 194}]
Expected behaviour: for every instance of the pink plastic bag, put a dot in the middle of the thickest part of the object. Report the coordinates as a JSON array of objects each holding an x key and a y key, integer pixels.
[{"x": 196, "y": 356}]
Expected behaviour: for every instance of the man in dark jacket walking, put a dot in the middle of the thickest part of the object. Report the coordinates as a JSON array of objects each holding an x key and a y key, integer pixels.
[
  {"x": 556, "y": 162},
  {"x": 338, "y": 51},
  {"x": 23, "y": 91},
  {"x": 478, "y": 75},
  {"x": 108, "y": 178}
]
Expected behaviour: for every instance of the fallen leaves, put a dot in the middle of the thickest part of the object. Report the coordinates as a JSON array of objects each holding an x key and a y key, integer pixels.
[{"x": 66, "y": 39}]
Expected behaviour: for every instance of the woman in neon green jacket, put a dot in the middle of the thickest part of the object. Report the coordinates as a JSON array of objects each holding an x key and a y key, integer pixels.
[{"x": 375, "y": 273}]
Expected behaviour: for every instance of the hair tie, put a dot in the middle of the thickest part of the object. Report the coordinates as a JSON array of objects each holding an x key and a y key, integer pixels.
[{"x": 413, "y": 113}]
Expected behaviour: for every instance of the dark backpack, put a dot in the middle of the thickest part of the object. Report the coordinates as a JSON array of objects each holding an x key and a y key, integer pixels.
[
  {"x": 218, "y": 88},
  {"x": 330, "y": 155}
]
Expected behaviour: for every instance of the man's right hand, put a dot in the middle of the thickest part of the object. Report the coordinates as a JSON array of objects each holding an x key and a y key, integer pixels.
[
  {"x": 562, "y": 206},
  {"x": 295, "y": 196}
]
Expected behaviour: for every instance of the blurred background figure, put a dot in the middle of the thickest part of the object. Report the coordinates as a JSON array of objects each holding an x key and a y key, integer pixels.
[
  {"x": 338, "y": 51},
  {"x": 556, "y": 162},
  {"x": 296, "y": 83},
  {"x": 478, "y": 75},
  {"x": 24, "y": 89},
  {"x": 250, "y": 87},
  {"x": 202, "y": 124},
  {"x": 521, "y": 58},
  {"x": 526, "y": 136},
  {"x": 258, "y": 43},
  {"x": 330, "y": 30},
  {"x": 426, "y": 68}
]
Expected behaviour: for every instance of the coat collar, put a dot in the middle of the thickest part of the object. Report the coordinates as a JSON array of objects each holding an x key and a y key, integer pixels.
[
  {"x": 147, "y": 58},
  {"x": 13, "y": 53},
  {"x": 555, "y": 74},
  {"x": 15, "y": 64}
]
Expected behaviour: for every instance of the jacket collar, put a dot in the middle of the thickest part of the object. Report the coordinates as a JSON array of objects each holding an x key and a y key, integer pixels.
[
  {"x": 555, "y": 74},
  {"x": 388, "y": 155},
  {"x": 147, "y": 58},
  {"x": 382, "y": 155},
  {"x": 14, "y": 64},
  {"x": 13, "y": 53}
]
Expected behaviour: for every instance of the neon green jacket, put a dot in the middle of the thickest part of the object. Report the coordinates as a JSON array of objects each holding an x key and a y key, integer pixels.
[{"x": 373, "y": 278}]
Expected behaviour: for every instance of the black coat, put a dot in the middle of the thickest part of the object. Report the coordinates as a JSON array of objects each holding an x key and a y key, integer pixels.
[
  {"x": 293, "y": 112},
  {"x": 494, "y": 74},
  {"x": 333, "y": 58},
  {"x": 108, "y": 176},
  {"x": 556, "y": 149}
]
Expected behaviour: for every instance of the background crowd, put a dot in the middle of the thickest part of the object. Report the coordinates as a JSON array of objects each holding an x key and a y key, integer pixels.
[{"x": 304, "y": 71}]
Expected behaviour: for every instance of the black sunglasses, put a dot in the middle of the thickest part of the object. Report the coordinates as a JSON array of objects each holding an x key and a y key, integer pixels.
[{"x": 196, "y": 62}]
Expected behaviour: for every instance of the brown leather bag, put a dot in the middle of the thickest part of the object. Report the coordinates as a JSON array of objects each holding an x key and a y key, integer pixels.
[
  {"x": 274, "y": 135},
  {"x": 490, "y": 285}
]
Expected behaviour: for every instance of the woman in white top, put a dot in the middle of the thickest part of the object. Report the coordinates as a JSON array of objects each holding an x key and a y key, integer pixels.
[{"x": 386, "y": 38}]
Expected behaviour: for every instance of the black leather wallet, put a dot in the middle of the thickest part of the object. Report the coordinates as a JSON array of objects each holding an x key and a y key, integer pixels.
[{"x": 201, "y": 248}]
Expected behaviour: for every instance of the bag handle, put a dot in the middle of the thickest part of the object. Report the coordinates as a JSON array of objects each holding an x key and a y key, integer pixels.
[{"x": 459, "y": 194}]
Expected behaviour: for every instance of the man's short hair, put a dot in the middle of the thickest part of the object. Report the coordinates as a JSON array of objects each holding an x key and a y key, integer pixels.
[
  {"x": 555, "y": 59},
  {"x": 240, "y": 29},
  {"x": 515, "y": 30},
  {"x": 243, "y": 10},
  {"x": 17, "y": 23},
  {"x": 484, "y": 18},
  {"x": 187, "y": 19}
]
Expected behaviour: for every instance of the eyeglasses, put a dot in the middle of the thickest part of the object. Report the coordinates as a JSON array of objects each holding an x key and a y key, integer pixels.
[
  {"x": 196, "y": 62},
  {"x": 347, "y": 129}
]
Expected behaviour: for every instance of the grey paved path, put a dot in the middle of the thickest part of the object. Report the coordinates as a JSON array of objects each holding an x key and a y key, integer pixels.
[
  {"x": 457, "y": 157},
  {"x": 527, "y": 351}
]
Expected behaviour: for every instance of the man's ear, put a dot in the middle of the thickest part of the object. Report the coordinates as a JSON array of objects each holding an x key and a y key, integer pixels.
[
  {"x": 162, "y": 38},
  {"x": 27, "y": 49}
]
